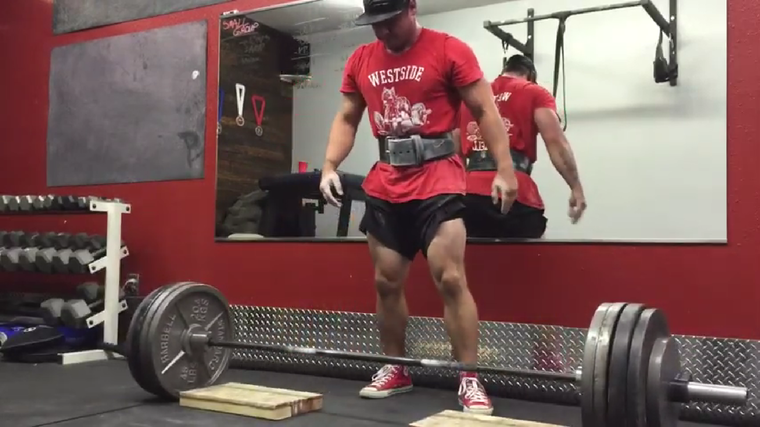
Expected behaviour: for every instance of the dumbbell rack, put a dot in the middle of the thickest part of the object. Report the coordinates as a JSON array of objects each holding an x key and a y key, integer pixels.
[{"x": 111, "y": 263}]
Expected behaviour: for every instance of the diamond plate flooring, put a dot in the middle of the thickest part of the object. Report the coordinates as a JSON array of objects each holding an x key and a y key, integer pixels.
[{"x": 103, "y": 394}]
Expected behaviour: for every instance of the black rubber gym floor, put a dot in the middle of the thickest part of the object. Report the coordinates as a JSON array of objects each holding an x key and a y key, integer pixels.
[{"x": 103, "y": 394}]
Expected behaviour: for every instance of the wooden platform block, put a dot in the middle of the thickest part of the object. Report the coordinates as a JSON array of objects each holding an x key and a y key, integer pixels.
[
  {"x": 252, "y": 401},
  {"x": 463, "y": 419}
]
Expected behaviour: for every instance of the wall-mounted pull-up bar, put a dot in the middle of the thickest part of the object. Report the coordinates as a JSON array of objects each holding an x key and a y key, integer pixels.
[{"x": 667, "y": 26}]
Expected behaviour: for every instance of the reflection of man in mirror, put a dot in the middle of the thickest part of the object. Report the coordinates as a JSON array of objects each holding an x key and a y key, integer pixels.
[
  {"x": 412, "y": 81},
  {"x": 527, "y": 110}
]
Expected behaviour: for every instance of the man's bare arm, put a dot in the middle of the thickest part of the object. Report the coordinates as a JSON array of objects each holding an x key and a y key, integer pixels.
[
  {"x": 343, "y": 130},
  {"x": 560, "y": 153},
  {"x": 456, "y": 135},
  {"x": 478, "y": 98}
]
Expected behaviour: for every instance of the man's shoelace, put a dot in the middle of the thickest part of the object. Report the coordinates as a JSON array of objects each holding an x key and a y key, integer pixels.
[
  {"x": 383, "y": 375},
  {"x": 473, "y": 391}
]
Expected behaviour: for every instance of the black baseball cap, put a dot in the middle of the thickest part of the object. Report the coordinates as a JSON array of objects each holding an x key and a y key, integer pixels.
[{"x": 379, "y": 10}]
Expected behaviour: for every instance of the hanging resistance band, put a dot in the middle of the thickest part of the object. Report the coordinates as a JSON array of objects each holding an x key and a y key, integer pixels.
[
  {"x": 505, "y": 48},
  {"x": 559, "y": 55}
]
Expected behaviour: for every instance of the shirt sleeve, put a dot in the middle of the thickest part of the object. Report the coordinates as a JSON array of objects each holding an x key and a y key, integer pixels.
[
  {"x": 543, "y": 99},
  {"x": 462, "y": 63},
  {"x": 350, "y": 84}
]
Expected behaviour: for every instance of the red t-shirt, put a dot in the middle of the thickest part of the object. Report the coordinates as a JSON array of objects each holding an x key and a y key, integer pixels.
[
  {"x": 414, "y": 92},
  {"x": 517, "y": 100}
]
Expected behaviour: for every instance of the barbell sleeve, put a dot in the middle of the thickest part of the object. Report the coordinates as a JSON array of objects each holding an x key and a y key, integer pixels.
[
  {"x": 712, "y": 393},
  {"x": 425, "y": 363}
]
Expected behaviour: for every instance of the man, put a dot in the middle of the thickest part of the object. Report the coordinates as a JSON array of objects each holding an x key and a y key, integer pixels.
[
  {"x": 527, "y": 110},
  {"x": 412, "y": 80}
]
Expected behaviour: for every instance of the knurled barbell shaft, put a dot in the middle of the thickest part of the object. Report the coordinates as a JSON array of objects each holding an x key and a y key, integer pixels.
[
  {"x": 426, "y": 363},
  {"x": 693, "y": 391}
]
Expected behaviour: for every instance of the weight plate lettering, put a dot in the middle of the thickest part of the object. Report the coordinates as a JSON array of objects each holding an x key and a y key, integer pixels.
[
  {"x": 147, "y": 340},
  {"x": 602, "y": 362},
  {"x": 617, "y": 380},
  {"x": 664, "y": 367},
  {"x": 174, "y": 360},
  {"x": 144, "y": 340},
  {"x": 587, "y": 369},
  {"x": 134, "y": 332},
  {"x": 650, "y": 327}
]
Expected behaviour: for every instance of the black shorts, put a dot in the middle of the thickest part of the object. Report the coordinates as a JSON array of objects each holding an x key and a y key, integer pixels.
[
  {"x": 485, "y": 220},
  {"x": 409, "y": 227}
]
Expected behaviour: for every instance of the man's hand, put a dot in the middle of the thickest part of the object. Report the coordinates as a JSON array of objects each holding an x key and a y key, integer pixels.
[
  {"x": 504, "y": 189},
  {"x": 577, "y": 205},
  {"x": 330, "y": 180}
]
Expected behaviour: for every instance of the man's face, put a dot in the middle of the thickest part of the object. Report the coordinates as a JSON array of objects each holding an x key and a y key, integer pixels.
[{"x": 394, "y": 32}]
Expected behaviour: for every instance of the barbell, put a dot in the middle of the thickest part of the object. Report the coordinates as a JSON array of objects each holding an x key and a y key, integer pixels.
[{"x": 181, "y": 338}]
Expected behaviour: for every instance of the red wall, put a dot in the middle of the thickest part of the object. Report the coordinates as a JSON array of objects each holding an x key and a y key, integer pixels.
[{"x": 705, "y": 290}]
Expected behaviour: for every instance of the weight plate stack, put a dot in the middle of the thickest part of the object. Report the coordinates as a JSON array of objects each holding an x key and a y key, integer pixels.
[
  {"x": 172, "y": 361},
  {"x": 589, "y": 359},
  {"x": 617, "y": 392}
]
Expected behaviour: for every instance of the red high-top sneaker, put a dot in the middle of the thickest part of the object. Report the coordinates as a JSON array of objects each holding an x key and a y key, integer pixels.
[
  {"x": 473, "y": 397},
  {"x": 388, "y": 381}
]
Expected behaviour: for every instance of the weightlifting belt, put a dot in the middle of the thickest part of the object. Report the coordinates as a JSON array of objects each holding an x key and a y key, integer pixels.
[
  {"x": 415, "y": 150},
  {"x": 483, "y": 161}
]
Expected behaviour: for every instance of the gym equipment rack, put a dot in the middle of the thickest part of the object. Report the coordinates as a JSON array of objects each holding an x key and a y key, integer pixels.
[{"x": 111, "y": 263}]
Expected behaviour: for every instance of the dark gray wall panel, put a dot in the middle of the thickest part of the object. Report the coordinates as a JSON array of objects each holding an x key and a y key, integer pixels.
[
  {"x": 74, "y": 15},
  {"x": 130, "y": 108}
]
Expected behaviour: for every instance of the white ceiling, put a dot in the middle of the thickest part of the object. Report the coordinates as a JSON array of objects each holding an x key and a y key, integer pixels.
[{"x": 316, "y": 16}]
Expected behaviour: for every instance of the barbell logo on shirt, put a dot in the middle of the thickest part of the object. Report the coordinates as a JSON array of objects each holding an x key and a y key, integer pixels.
[
  {"x": 476, "y": 139},
  {"x": 395, "y": 75},
  {"x": 399, "y": 116}
]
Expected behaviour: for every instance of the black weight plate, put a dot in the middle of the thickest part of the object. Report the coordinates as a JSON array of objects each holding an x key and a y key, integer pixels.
[
  {"x": 621, "y": 348},
  {"x": 664, "y": 367},
  {"x": 133, "y": 335},
  {"x": 651, "y": 326},
  {"x": 145, "y": 339},
  {"x": 174, "y": 365},
  {"x": 587, "y": 369},
  {"x": 602, "y": 362},
  {"x": 135, "y": 331}
]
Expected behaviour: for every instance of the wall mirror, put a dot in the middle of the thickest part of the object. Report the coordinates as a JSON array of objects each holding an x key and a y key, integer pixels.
[{"x": 651, "y": 156}]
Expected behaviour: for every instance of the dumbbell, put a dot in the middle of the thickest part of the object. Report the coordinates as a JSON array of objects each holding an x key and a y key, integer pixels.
[
  {"x": 84, "y": 202},
  {"x": 90, "y": 291},
  {"x": 29, "y": 203},
  {"x": 27, "y": 257},
  {"x": 13, "y": 243},
  {"x": 12, "y": 238},
  {"x": 78, "y": 242},
  {"x": 48, "y": 203},
  {"x": 3, "y": 240},
  {"x": 67, "y": 203},
  {"x": 51, "y": 310},
  {"x": 43, "y": 258},
  {"x": 39, "y": 203},
  {"x": 80, "y": 259},
  {"x": 9, "y": 203},
  {"x": 75, "y": 312},
  {"x": 17, "y": 242}
]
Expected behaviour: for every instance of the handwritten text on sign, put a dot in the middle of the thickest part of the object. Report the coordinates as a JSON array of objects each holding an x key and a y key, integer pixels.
[{"x": 240, "y": 26}]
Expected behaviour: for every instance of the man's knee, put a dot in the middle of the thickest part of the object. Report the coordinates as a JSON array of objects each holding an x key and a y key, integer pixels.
[
  {"x": 451, "y": 282},
  {"x": 389, "y": 285}
]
